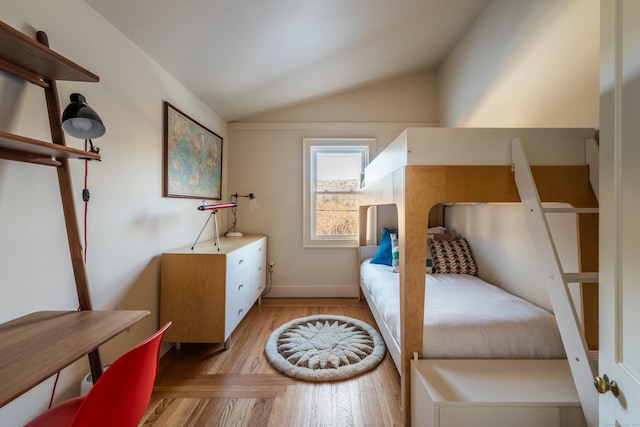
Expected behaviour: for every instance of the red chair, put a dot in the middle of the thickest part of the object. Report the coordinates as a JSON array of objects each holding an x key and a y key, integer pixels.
[{"x": 119, "y": 397}]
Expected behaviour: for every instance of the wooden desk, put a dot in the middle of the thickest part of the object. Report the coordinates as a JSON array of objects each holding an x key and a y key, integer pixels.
[{"x": 36, "y": 346}]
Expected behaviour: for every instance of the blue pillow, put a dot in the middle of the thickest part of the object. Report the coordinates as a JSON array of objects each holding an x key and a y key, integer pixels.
[{"x": 383, "y": 256}]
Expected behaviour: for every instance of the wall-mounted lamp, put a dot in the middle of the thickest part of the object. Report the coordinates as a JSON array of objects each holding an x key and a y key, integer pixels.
[
  {"x": 81, "y": 121},
  {"x": 253, "y": 204}
]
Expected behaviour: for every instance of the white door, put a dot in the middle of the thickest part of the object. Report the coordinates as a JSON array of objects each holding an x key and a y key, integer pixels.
[{"x": 620, "y": 211}]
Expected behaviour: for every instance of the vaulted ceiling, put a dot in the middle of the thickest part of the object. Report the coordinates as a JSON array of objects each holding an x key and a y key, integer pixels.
[{"x": 248, "y": 57}]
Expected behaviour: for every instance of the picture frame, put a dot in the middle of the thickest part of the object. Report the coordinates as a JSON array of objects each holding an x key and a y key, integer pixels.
[{"x": 192, "y": 157}]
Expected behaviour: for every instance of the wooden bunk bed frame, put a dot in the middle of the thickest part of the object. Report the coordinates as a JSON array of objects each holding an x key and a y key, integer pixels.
[{"x": 424, "y": 167}]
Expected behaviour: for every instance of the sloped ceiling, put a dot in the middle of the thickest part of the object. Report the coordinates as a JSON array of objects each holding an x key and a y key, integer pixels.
[{"x": 249, "y": 57}]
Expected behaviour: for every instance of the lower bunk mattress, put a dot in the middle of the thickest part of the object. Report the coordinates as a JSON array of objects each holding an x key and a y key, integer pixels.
[{"x": 466, "y": 317}]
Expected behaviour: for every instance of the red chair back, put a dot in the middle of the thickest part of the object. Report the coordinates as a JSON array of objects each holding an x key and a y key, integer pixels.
[{"x": 122, "y": 393}]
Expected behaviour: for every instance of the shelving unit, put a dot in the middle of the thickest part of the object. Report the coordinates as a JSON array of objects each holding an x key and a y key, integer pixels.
[{"x": 35, "y": 346}]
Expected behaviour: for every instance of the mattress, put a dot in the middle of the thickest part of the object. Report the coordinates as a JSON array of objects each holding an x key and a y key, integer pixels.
[{"x": 466, "y": 317}]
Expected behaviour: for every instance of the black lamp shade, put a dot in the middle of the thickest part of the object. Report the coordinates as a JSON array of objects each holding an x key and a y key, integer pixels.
[{"x": 79, "y": 120}]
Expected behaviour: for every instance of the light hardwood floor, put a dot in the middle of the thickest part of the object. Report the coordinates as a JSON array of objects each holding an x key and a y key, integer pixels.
[{"x": 201, "y": 385}]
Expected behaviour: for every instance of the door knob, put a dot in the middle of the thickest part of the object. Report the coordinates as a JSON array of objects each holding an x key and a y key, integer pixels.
[{"x": 603, "y": 385}]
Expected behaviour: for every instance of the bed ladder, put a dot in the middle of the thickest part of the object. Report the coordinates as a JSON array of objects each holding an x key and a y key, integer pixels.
[{"x": 557, "y": 282}]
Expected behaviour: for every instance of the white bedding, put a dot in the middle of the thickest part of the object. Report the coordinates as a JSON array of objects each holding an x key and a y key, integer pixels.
[{"x": 466, "y": 317}]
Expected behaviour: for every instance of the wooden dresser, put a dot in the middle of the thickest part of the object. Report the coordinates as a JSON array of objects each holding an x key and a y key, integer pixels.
[{"x": 207, "y": 290}]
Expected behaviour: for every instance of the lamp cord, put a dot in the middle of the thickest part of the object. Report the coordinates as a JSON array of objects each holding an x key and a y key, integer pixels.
[
  {"x": 53, "y": 392},
  {"x": 233, "y": 225},
  {"x": 85, "y": 198},
  {"x": 268, "y": 286}
]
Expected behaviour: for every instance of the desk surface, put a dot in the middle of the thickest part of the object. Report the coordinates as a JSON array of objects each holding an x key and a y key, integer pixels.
[{"x": 36, "y": 346}]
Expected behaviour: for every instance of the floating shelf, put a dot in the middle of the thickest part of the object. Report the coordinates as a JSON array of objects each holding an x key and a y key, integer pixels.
[
  {"x": 26, "y": 58},
  {"x": 16, "y": 147}
]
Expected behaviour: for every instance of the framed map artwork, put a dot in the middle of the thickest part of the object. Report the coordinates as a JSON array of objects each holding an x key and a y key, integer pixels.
[{"x": 192, "y": 158}]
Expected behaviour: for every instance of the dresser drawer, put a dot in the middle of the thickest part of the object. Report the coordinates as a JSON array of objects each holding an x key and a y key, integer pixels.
[
  {"x": 259, "y": 249},
  {"x": 259, "y": 268},
  {"x": 233, "y": 317},
  {"x": 237, "y": 261},
  {"x": 238, "y": 289},
  {"x": 259, "y": 278}
]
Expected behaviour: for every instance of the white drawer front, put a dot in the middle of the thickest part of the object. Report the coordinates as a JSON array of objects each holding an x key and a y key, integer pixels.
[
  {"x": 259, "y": 268},
  {"x": 233, "y": 316},
  {"x": 259, "y": 278},
  {"x": 237, "y": 261},
  {"x": 238, "y": 289},
  {"x": 259, "y": 249}
]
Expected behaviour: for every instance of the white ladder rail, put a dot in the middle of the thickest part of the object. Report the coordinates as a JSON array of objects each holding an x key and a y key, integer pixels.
[{"x": 556, "y": 280}]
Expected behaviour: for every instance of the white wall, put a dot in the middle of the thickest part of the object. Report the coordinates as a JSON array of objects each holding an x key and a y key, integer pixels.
[
  {"x": 409, "y": 98},
  {"x": 265, "y": 157},
  {"x": 524, "y": 63},
  {"x": 502, "y": 246},
  {"x": 129, "y": 222}
]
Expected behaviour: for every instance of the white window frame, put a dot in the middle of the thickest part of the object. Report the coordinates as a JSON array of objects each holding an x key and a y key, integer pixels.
[{"x": 310, "y": 239}]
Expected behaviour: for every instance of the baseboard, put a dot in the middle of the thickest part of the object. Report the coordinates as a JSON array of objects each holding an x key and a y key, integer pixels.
[{"x": 347, "y": 291}]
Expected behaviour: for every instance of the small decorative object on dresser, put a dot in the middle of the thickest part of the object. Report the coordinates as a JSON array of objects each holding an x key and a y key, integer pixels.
[{"x": 206, "y": 292}]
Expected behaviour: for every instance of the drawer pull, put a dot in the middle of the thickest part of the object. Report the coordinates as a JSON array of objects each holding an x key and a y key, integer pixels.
[
  {"x": 240, "y": 261},
  {"x": 240, "y": 286},
  {"x": 240, "y": 312}
]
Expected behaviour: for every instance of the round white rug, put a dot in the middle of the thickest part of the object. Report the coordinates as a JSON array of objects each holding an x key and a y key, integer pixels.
[{"x": 325, "y": 348}]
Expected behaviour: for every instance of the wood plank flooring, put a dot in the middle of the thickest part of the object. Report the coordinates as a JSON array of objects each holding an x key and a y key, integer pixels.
[{"x": 203, "y": 385}]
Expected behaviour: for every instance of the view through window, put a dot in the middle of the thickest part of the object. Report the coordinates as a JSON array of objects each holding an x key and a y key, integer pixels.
[
  {"x": 335, "y": 172},
  {"x": 337, "y": 181}
]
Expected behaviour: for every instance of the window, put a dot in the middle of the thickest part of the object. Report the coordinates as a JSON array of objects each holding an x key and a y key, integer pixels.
[{"x": 333, "y": 170}]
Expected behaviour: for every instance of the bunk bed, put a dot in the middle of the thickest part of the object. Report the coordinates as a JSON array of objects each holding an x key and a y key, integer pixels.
[
  {"x": 465, "y": 317},
  {"x": 426, "y": 167}
]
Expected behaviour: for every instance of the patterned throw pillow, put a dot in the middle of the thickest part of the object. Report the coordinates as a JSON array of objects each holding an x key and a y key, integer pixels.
[
  {"x": 452, "y": 256},
  {"x": 429, "y": 261},
  {"x": 395, "y": 253}
]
